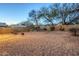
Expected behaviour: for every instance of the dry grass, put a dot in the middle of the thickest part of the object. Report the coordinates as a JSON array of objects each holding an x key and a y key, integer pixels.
[
  {"x": 39, "y": 43},
  {"x": 66, "y": 27},
  {"x": 5, "y": 30}
]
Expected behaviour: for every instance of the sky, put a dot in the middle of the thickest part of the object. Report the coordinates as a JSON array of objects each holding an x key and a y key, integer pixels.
[{"x": 11, "y": 13}]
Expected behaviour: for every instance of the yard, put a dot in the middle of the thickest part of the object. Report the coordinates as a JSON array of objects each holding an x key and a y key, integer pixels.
[{"x": 56, "y": 43}]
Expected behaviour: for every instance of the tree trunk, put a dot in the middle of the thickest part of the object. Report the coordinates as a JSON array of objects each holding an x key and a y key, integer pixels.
[
  {"x": 63, "y": 20},
  {"x": 37, "y": 26}
]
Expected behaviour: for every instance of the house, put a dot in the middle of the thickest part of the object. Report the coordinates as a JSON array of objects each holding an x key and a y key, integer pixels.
[
  {"x": 17, "y": 26},
  {"x": 23, "y": 24}
]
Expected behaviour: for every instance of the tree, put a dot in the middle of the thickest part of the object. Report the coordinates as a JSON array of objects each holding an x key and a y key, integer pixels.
[
  {"x": 74, "y": 8},
  {"x": 74, "y": 14},
  {"x": 34, "y": 16},
  {"x": 27, "y": 23},
  {"x": 66, "y": 10},
  {"x": 48, "y": 14},
  {"x": 74, "y": 18}
]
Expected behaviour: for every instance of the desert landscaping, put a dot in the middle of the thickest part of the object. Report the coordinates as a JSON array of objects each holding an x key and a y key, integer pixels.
[
  {"x": 39, "y": 44},
  {"x": 39, "y": 29}
]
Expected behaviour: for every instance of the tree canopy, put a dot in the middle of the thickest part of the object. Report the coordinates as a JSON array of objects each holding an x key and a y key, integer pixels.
[{"x": 65, "y": 13}]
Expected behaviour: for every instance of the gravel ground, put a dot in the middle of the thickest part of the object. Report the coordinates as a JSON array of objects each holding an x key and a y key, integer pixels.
[{"x": 55, "y": 43}]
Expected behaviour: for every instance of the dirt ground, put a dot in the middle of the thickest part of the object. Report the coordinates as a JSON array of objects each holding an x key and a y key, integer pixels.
[{"x": 55, "y": 43}]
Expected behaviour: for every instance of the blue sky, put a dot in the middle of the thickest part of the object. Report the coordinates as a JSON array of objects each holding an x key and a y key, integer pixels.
[{"x": 15, "y": 13}]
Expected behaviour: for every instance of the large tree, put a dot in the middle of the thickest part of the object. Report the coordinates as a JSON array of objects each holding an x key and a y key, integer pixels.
[
  {"x": 66, "y": 12},
  {"x": 48, "y": 14},
  {"x": 34, "y": 17},
  {"x": 74, "y": 19}
]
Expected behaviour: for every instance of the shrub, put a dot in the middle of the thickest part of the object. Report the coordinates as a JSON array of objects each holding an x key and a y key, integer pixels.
[
  {"x": 52, "y": 28},
  {"x": 22, "y": 33},
  {"x": 61, "y": 28},
  {"x": 44, "y": 29},
  {"x": 5, "y": 30},
  {"x": 37, "y": 28},
  {"x": 74, "y": 31},
  {"x": 14, "y": 32}
]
